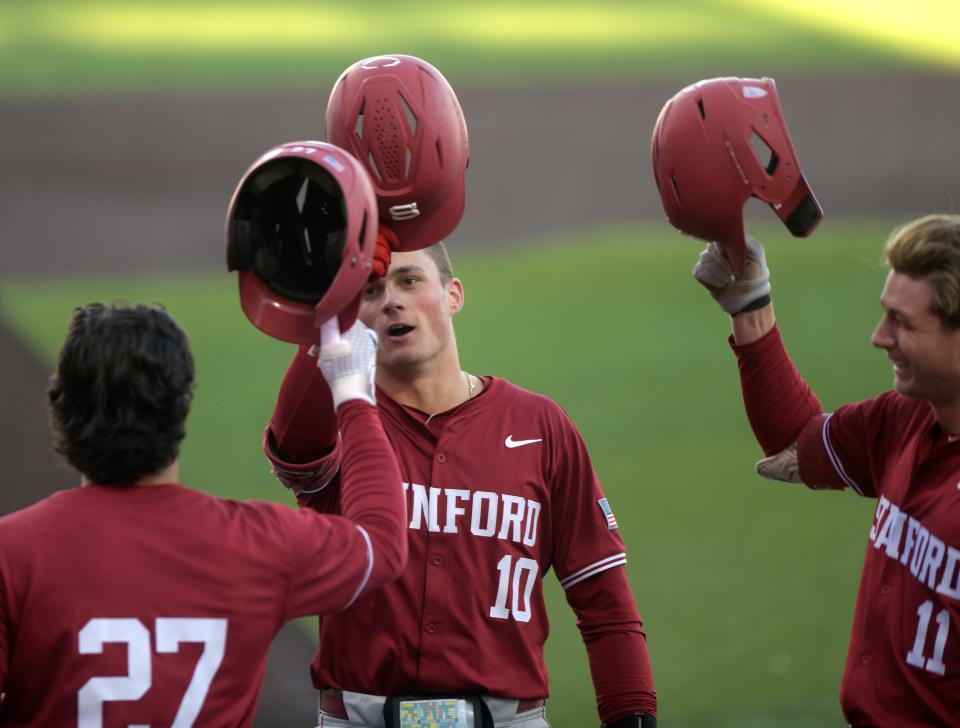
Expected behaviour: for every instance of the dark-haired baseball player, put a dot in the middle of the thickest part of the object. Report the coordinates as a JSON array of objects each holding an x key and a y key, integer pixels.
[
  {"x": 500, "y": 490},
  {"x": 133, "y": 600},
  {"x": 901, "y": 448}
]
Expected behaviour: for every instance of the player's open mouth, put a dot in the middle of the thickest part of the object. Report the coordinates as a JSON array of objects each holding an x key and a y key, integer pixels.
[{"x": 398, "y": 331}]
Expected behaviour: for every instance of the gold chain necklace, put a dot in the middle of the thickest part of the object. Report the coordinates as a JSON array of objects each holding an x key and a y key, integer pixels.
[{"x": 471, "y": 390}]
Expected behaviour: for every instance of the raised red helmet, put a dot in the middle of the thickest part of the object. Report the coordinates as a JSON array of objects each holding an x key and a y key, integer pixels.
[
  {"x": 300, "y": 230},
  {"x": 718, "y": 143},
  {"x": 398, "y": 115}
]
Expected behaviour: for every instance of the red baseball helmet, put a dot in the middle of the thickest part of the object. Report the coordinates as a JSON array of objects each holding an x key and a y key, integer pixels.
[
  {"x": 300, "y": 230},
  {"x": 719, "y": 142},
  {"x": 399, "y": 116}
]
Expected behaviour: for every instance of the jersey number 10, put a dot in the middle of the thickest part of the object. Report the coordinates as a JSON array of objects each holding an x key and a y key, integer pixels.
[
  {"x": 520, "y": 608},
  {"x": 132, "y": 686}
]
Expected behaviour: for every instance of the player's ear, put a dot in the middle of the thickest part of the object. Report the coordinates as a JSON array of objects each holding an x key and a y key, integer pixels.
[{"x": 454, "y": 295}]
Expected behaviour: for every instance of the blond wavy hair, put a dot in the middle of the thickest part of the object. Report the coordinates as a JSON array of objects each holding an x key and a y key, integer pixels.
[{"x": 929, "y": 249}]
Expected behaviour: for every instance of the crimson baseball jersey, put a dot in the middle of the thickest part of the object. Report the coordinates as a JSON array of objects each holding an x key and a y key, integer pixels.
[
  {"x": 156, "y": 605},
  {"x": 903, "y": 666},
  {"x": 499, "y": 491}
]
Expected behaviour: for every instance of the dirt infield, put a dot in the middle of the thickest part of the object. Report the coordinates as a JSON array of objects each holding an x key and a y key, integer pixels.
[{"x": 141, "y": 184}]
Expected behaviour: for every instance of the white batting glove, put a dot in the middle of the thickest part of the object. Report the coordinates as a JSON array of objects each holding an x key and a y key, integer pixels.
[
  {"x": 734, "y": 292},
  {"x": 348, "y": 362}
]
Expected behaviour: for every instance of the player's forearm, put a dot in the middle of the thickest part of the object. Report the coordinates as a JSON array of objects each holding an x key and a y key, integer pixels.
[
  {"x": 612, "y": 632},
  {"x": 303, "y": 426},
  {"x": 751, "y": 326},
  {"x": 371, "y": 490},
  {"x": 777, "y": 399},
  {"x": 622, "y": 678}
]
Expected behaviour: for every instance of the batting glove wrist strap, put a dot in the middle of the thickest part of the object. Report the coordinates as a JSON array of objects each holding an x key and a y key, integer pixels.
[
  {"x": 734, "y": 291},
  {"x": 349, "y": 365},
  {"x": 754, "y": 305}
]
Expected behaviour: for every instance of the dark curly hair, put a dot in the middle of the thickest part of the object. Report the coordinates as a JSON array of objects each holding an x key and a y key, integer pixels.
[{"x": 121, "y": 392}]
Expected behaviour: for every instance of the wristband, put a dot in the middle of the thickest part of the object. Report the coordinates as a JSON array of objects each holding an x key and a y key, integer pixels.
[
  {"x": 637, "y": 720},
  {"x": 764, "y": 300}
]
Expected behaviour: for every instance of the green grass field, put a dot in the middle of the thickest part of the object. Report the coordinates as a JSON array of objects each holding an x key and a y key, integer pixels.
[
  {"x": 746, "y": 586},
  {"x": 54, "y": 46}
]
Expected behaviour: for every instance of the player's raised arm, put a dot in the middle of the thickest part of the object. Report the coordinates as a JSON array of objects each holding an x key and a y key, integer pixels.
[
  {"x": 371, "y": 494},
  {"x": 716, "y": 144},
  {"x": 779, "y": 403},
  {"x": 301, "y": 233},
  {"x": 302, "y": 441}
]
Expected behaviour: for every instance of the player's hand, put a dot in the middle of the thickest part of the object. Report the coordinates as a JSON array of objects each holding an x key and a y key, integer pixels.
[
  {"x": 348, "y": 361},
  {"x": 784, "y": 466},
  {"x": 387, "y": 242},
  {"x": 735, "y": 292}
]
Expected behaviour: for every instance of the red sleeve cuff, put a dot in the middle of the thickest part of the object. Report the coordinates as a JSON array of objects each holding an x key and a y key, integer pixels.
[
  {"x": 818, "y": 470},
  {"x": 765, "y": 343},
  {"x": 308, "y": 477}
]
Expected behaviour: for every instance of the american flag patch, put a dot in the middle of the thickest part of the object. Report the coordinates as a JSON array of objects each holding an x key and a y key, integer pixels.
[{"x": 608, "y": 514}]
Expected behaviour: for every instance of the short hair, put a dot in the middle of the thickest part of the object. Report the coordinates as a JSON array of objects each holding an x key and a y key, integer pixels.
[
  {"x": 120, "y": 395},
  {"x": 438, "y": 252},
  {"x": 929, "y": 248}
]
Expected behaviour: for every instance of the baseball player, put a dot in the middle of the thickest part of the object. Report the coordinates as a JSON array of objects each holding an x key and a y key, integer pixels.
[
  {"x": 135, "y": 600},
  {"x": 499, "y": 490},
  {"x": 901, "y": 448},
  {"x": 498, "y": 482}
]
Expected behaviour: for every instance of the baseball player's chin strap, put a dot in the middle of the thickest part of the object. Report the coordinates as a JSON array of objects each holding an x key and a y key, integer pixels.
[{"x": 637, "y": 720}]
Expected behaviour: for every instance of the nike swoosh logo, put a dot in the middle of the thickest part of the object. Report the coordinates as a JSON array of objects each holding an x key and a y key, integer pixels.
[{"x": 511, "y": 443}]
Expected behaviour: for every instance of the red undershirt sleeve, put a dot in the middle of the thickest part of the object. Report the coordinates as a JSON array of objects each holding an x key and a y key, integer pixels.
[
  {"x": 303, "y": 425},
  {"x": 612, "y": 632},
  {"x": 301, "y": 440},
  {"x": 777, "y": 400}
]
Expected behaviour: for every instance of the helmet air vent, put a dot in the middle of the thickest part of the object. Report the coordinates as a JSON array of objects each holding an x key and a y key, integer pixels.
[
  {"x": 388, "y": 136},
  {"x": 676, "y": 189},
  {"x": 358, "y": 127},
  {"x": 408, "y": 112},
  {"x": 767, "y": 158}
]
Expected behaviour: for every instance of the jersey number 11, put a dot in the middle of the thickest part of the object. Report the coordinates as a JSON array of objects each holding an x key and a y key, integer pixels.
[{"x": 915, "y": 656}]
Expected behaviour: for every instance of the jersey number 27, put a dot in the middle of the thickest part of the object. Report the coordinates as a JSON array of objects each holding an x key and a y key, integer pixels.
[{"x": 170, "y": 631}]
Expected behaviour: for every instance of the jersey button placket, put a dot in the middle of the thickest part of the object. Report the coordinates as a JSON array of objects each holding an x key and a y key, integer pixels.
[{"x": 432, "y": 654}]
